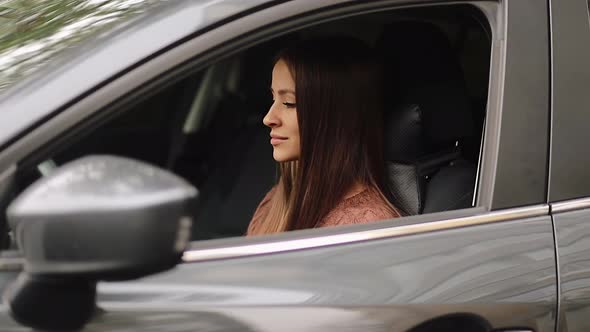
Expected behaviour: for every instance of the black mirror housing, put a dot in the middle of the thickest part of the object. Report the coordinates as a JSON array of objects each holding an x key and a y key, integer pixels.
[
  {"x": 103, "y": 217},
  {"x": 97, "y": 218}
]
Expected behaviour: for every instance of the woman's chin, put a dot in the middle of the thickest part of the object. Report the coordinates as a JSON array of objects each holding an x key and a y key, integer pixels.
[{"x": 280, "y": 156}]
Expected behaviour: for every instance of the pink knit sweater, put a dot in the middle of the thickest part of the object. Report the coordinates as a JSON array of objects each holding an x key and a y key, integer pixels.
[{"x": 366, "y": 206}]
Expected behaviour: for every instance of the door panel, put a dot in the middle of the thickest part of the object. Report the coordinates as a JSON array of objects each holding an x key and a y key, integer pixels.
[
  {"x": 573, "y": 246},
  {"x": 501, "y": 275}
]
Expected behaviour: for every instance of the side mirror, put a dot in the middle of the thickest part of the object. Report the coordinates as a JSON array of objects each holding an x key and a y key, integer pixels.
[{"x": 96, "y": 218}]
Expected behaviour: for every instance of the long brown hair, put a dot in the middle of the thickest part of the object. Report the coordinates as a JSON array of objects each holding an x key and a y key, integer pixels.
[{"x": 339, "y": 112}]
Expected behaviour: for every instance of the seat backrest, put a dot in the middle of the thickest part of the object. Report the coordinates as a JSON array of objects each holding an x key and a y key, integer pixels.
[
  {"x": 425, "y": 126},
  {"x": 240, "y": 169}
]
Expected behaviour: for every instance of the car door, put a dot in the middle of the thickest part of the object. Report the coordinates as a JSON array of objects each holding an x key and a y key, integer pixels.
[
  {"x": 569, "y": 180},
  {"x": 487, "y": 267}
]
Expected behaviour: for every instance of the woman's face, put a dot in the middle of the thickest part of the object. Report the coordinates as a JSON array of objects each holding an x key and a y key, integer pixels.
[{"x": 282, "y": 115}]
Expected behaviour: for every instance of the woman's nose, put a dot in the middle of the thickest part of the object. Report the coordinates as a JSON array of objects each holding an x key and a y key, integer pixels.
[{"x": 270, "y": 119}]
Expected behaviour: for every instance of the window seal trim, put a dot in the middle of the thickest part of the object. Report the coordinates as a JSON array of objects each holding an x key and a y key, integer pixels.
[
  {"x": 12, "y": 264},
  {"x": 570, "y": 205},
  {"x": 284, "y": 246},
  {"x": 275, "y": 247}
]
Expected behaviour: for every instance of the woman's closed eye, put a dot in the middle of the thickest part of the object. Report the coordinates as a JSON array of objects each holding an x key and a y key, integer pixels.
[{"x": 289, "y": 105}]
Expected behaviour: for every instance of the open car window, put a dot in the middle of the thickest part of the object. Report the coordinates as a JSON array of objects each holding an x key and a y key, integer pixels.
[{"x": 438, "y": 61}]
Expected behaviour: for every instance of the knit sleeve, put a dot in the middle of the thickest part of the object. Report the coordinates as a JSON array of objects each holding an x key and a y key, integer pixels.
[
  {"x": 353, "y": 216},
  {"x": 361, "y": 209}
]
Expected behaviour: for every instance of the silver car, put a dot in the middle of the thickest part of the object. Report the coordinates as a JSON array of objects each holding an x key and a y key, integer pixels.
[{"x": 132, "y": 156}]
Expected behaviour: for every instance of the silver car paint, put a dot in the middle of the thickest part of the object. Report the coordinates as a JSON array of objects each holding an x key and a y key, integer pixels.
[
  {"x": 503, "y": 272},
  {"x": 573, "y": 239},
  {"x": 568, "y": 178}
]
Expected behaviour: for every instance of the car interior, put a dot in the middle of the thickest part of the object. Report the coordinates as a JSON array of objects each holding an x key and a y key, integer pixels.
[{"x": 207, "y": 127}]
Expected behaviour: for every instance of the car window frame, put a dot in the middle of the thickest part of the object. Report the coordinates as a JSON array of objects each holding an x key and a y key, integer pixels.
[
  {"x": 206, "y": 48},
  {"x": 520, "y": 177}
]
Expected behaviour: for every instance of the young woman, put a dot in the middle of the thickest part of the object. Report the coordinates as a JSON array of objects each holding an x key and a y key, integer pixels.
[{"x": 326, "y": 131}]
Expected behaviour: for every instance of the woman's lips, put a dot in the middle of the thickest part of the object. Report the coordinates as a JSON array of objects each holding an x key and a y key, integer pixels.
[{"x": 275, "y": 139}]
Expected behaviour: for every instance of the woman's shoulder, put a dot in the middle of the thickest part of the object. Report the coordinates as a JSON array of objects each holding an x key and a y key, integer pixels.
[
  {"x": 261, "y": 210},
  {"x": 361, "y": 208},
  {"x": 268, "y": 196}
]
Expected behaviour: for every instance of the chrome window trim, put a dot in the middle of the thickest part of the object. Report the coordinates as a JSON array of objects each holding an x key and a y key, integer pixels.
[
  {"x": 14, "y": 264},
  {"x": 479, "y": 162},
  {"x": 492, "y": 12},
  {"x": 570, "y": 205},
  {"x": 277, "y": 247},
  {"x": 255, "y": 249},
  {"x": 487, "y": 166},
  {"x": 551, "y": 101}
]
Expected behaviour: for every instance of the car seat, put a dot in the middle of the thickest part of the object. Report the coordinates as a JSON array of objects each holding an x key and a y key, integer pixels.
[{"x": 428, "y": 121}]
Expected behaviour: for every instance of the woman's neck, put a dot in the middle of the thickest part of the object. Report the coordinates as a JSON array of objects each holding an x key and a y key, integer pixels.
[{"x": 356, "y": 188}]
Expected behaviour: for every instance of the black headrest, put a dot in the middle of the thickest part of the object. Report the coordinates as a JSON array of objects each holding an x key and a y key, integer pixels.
[
  {"x": 421, "y": 69},
  {"x": 405, "y": 137}
]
